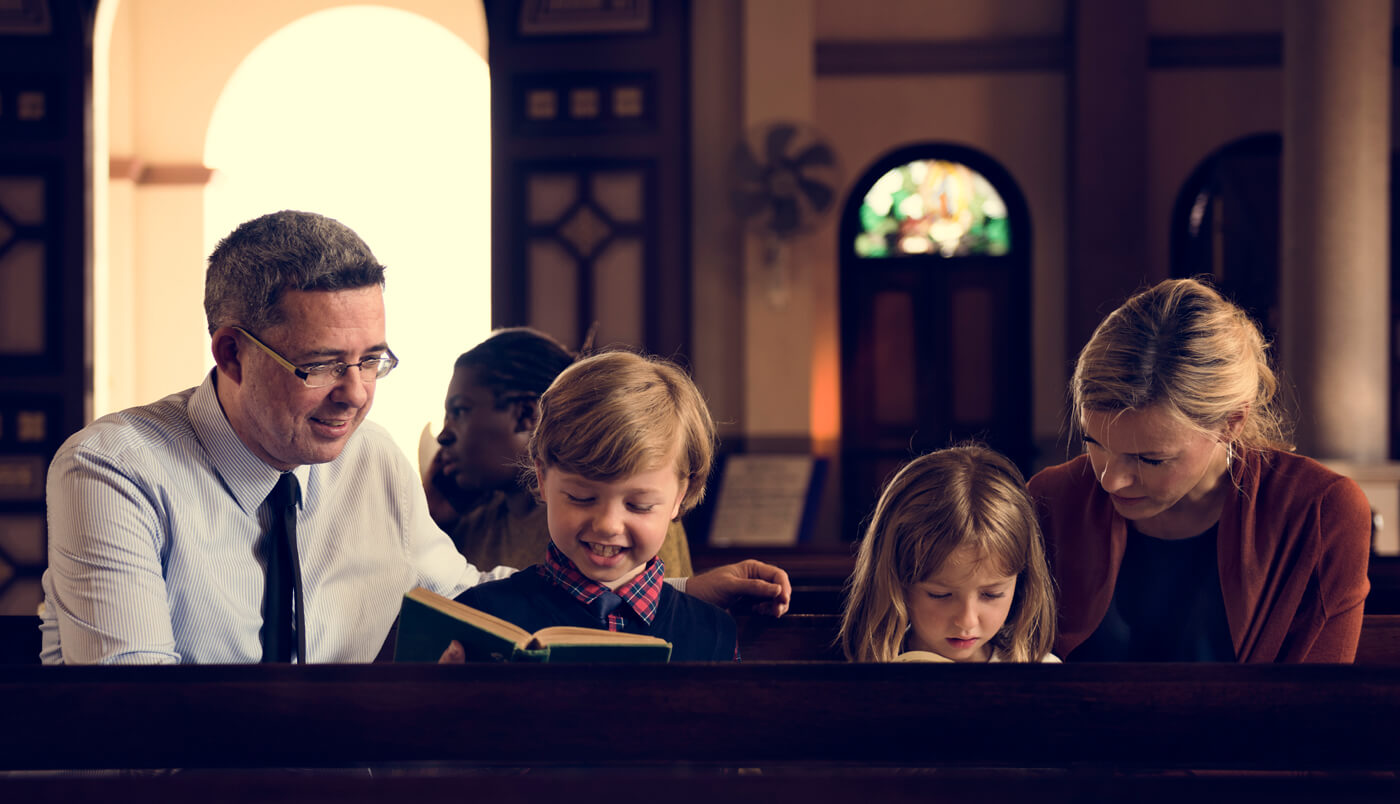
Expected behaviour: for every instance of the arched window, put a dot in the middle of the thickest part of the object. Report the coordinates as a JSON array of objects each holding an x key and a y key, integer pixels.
[{"x": 934, "y": 207}]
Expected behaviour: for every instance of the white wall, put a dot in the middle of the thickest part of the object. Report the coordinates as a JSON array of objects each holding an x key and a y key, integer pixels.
[{"x": 168, "y": 64}]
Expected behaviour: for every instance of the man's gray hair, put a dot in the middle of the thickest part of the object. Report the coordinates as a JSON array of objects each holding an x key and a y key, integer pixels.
[{"x": 262, "y": 259}]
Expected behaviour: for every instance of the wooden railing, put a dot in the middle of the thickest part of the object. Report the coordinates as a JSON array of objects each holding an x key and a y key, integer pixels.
[{"x": 1135, "y": 717}]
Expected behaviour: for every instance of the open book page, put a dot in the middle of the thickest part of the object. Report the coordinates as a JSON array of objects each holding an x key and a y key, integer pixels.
[
  {"x": 429, "y": 622},
  {"x": 572, "y": 635}
]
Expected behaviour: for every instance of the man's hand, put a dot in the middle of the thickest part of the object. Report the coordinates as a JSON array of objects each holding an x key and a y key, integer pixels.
[
  {"x": 763, "y": 588},
  {"x": 455, "y": 654}
]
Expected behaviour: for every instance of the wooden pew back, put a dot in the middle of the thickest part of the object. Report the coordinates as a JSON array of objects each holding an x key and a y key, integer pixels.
[
  {"x": 810, "y": 637},
  {"x": 1316, "y": 717}
]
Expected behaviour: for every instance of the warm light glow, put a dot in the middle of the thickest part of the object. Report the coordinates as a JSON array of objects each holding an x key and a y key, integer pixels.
[{"x": 378, "y": 118}]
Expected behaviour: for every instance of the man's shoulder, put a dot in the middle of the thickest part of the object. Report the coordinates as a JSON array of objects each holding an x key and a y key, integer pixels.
[{"x": 160, "y": 425}]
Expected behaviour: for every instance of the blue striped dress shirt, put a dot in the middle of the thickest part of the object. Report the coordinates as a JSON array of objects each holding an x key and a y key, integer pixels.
[{"x": 156, "y": 522}]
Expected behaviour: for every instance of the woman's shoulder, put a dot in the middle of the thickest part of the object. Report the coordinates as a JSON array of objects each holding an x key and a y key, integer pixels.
[
  {"x": 1055, "y": 480},
  {"x": 1289, "y": 474},
  {"x": 1292, "y": 487}
]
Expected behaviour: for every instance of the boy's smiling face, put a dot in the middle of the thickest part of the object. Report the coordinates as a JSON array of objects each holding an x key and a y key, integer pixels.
[{"x": 610, "y": 529}]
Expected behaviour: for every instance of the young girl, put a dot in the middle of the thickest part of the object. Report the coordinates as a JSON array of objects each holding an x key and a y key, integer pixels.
[
  {"x": 952, "y": 568},
  {"x": 623, "y": 447}
]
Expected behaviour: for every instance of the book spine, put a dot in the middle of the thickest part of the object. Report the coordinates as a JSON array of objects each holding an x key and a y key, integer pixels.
[{"x": 530, "y": 655}]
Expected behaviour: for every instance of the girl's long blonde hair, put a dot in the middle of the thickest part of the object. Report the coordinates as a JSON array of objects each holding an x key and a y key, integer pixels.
[{"x": 964, "y": 495}]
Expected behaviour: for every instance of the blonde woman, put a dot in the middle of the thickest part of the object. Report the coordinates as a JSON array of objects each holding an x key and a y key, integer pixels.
[
  {"x": 952, "y": 568},
  {"x": 1189, "y": 530}
]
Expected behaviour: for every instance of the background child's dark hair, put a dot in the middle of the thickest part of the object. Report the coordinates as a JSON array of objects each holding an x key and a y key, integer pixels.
[
  {"x": 964, "y": 495},
  {"x": 516, "y": 362},
  {"x": 614, "y": 414}
]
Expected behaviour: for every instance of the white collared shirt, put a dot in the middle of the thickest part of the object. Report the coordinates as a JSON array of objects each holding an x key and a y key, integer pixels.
[{"x": 156, "y": 522}]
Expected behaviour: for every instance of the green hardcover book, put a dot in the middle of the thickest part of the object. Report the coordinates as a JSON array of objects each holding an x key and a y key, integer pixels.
[{"x": 428, "y": 622}]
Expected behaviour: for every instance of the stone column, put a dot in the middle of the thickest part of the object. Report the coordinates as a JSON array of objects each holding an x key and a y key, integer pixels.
[{"x": 1335, "y": 270}]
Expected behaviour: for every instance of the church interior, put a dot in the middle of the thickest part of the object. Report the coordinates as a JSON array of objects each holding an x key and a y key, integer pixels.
[{"x": 867, "y": 229}]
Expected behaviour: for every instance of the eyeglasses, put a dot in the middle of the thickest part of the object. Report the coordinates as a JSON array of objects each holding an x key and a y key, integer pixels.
[{"x": 320, "y": 375}]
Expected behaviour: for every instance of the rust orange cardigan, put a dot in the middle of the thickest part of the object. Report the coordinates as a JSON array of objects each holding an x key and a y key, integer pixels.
[{"x": 1293, "y": 546}]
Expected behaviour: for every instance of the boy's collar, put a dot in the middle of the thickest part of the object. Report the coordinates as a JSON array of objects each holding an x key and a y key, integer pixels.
[{"x": 642, "y": 594}]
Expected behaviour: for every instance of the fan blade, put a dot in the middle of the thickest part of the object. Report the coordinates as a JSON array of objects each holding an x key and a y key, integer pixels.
[
  {"x": 818, "y": 194},
  {"x": 776, "y": 143},
  {"x": 818, "y": 153},
  {"x": 748, "y": 203},
  {"x": 786, "y": 216}
]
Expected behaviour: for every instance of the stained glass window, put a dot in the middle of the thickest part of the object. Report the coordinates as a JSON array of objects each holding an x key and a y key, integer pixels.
[{"x": 933, "y": 207}]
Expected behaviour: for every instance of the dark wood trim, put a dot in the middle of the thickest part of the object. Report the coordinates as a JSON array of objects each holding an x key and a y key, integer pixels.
[
  {"x": 138, "y": 171},
  {"x": 1267, "y": 717},
  {"x": 906, "y": 57},
  {"x": 1043, "y": 54},
  {"x": 807, "y": 783},
  {"x": 1228, "y": 51}
]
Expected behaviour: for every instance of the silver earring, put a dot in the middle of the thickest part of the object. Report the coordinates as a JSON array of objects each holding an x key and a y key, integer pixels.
[{"x": 1229, "y": 453}]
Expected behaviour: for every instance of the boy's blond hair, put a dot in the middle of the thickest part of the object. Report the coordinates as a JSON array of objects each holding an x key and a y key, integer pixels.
[
  {"x": 617, "y": 413},
  {"x": 966, "y": 495}
]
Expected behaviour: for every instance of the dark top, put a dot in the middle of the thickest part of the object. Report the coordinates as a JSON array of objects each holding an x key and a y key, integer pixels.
[
  {"x": 1166, "y": 607},
  {"x": 697, "y": 631},
  {"x": 1293, "y": 544}
]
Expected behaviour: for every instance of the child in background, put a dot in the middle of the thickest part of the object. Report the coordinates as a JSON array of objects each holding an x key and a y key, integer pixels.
[
  {"x": 473, "y": 485},
  {"x": 623, "y": 446},
  {"x": 952, "y": 567}
]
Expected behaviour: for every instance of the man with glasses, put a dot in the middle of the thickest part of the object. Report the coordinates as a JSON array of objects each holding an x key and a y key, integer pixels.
[{"x": 159, "y": 516}]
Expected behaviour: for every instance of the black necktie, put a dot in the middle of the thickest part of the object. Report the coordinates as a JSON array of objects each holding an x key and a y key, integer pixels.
[{"x": 283, "y": 612}]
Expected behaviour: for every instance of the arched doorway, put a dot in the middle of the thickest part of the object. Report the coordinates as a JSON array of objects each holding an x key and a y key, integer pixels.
[
  {"x": 935, "y": 244},
  {"x": 1226, "y": 225},
  {"x": 372, "y": 126},
  {"x": 375, "y": 147}
]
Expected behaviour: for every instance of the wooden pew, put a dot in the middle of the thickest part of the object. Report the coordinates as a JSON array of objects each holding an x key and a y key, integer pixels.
[
  {"x": 1384, "y": 572},
  {"x": 817, "y": 599},
  {"x": 1380, "y": 640},
  {"x": 19, "y": 639},
  {"x": 805, "y": 565},
  {"x": 793, "y": 637},
  {"x": 1312, "y": 718},
  {"x": 810, "y": 637},
  {"x": 799, "y": 636},
  {"x": 687, "y": 785}
]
